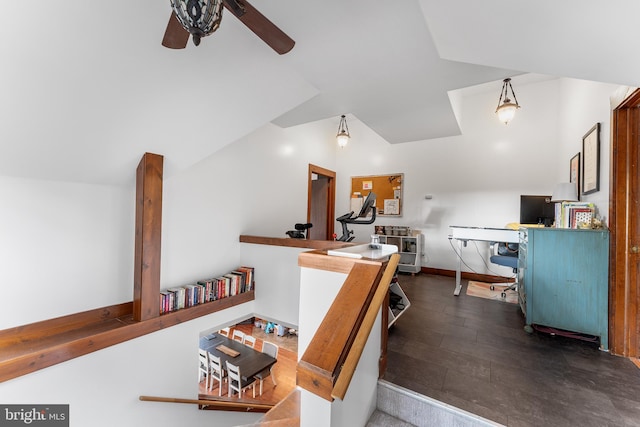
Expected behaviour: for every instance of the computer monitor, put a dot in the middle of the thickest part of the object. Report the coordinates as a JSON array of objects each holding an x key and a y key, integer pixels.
[{"x": 537, "y": 210}]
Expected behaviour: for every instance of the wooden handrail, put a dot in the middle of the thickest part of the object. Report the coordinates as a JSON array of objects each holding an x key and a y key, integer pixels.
[
  {"x": 321, "y": 362},
  {"x": 329, "y": 354},
  {"x": 350, "y": 364},
  {"x": 223, "y": 405},
  {"x": 295, "y": 243}
]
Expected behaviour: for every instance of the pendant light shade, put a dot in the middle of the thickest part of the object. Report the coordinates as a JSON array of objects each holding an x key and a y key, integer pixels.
[
  {"x": 506, "y": 109},
  {"x": 199, "y": 17},
  {"x": 343, "y": 132}
]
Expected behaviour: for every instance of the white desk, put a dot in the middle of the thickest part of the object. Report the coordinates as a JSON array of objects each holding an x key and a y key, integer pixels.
[
  {"x": 483, "y": 234},
  {"x": 365, "y": 251}
]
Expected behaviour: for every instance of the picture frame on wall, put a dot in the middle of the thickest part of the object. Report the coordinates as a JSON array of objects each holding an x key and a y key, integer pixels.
[
  {"x": 591, "y": 160},
  {"x": 574, "y": 172}
]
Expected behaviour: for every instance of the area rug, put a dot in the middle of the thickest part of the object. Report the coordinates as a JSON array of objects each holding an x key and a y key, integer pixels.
[{"x": 483, "y": 290}]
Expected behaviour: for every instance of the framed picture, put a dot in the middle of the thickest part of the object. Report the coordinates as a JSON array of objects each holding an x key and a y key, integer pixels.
[
  {"x": 574, "y": 172},
  {"x": 591, "y": 160}
]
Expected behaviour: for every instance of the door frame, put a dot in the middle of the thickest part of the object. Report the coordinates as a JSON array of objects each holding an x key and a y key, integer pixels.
[
  {"x": 624, "y": 221},
  {"x": 331, "y": 197}
]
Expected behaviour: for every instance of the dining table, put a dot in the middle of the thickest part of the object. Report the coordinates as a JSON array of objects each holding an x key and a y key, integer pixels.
[{"x": 249, "y": 360}]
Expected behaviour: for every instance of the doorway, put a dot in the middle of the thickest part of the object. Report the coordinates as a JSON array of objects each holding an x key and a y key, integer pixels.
[
  {"x": 321, "y": 199},
  {"x": 624, "y": 227}
]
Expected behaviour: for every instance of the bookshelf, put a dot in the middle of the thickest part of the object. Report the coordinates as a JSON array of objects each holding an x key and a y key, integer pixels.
[
  {"x": 409, "y": 248},
  {"x": 236, "y": 282}
]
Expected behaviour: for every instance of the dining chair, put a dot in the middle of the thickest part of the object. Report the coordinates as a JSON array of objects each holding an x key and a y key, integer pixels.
[
  {"x": 225, "y": 332},
  {"x": 272, "y": 350},
  {"x": 203, "y": 368},
  {"x": 249, "y": 340},
  {"x": 238, "y": 335},
  {"x": 216, "y": 372},
  {"x": 235, "y": 380}
]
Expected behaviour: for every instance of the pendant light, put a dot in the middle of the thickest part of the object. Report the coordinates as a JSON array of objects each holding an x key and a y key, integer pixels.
[
  {"x": 507, "y": 109},
  {"x": 343, "y": 132}
]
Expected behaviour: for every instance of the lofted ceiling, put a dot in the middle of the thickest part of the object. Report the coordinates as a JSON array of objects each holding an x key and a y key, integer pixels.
[{"x": 87, "y": 88}]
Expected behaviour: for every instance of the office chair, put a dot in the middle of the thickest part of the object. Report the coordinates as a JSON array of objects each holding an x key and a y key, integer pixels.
[
  {"x": 505, "y": 254},
  {"x": 350, "y": 218}
]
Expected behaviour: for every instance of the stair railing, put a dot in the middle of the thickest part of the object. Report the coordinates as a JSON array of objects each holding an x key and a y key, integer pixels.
[
  {"x": 213, "y": 404},
  {"x": 331, "y": 358}
]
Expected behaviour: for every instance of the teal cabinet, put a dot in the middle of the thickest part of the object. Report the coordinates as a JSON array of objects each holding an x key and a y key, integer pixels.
[{"x": 564, "y": 280}]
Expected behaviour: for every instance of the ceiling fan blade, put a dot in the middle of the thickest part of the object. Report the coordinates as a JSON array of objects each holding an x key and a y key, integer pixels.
[
  {"x": 175, "y": 36},
  {"x": 260, "y": 25}
]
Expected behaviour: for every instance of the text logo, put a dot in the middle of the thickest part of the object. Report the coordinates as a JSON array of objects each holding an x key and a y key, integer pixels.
[{"x": 34, "y": 415}]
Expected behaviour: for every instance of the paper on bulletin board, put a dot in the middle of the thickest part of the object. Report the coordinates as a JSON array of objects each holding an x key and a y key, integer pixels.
[
  {"x": 356, "y": 204},
  {"x": 391, "y": 206},
  {"x": 367, "y": 185}
]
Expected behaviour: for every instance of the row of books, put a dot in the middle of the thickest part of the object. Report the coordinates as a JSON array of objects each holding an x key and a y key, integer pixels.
[
  {"x": 574, "y": 214},
  {"x": 233, "y": 283}
]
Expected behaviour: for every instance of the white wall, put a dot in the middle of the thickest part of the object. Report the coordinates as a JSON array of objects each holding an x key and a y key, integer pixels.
[
  {"x": 64, "y": 248},
  {"x": 584, "y": 104},
  {"x": 257, "y": 185},
  {"x": 278, "y": 281}
]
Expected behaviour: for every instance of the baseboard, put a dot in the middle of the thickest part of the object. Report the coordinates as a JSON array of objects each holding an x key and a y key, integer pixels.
[{"x": 487, "y": 278}]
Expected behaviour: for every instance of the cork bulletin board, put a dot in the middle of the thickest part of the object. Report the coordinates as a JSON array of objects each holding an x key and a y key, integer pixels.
[{"x": 387, "y": 188}]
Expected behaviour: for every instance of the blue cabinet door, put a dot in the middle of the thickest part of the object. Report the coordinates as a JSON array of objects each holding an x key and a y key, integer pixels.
[{"x": 566, "y": 280}]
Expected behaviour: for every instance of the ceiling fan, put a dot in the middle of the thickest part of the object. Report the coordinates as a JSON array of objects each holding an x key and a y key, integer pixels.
[{"x": 200, "y": 18}]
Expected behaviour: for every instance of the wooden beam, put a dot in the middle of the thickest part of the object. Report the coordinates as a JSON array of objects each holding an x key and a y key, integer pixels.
[{"x": 146, "y": 283}]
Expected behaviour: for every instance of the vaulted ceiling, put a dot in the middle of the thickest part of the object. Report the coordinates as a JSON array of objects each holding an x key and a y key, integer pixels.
[{"x": 86, "y": 88}]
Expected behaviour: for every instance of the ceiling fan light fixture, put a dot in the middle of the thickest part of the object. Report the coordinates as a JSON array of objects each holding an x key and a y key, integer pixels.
[
  {"x": 343, "y": 132},
  {"x": 506, "y": 109},
  {"x": 199, "y": 17}
]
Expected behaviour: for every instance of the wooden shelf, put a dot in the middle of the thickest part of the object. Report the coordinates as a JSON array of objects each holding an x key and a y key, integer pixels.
[
  {"x": 28, "y": 348},
  {"x": 295, "y": 243}
]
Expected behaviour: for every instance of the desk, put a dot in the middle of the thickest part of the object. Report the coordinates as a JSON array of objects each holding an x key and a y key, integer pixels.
[
  {"x": 250, "y": 361},
  {"x": 483, "y": 234}
]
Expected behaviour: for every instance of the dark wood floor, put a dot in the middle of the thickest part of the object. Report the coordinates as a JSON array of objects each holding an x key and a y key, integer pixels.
[{"x": 473, "y": 353}]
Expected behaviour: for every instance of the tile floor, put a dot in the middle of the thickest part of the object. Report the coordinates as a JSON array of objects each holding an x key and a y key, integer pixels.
[{"x": 474, "y": 354}]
